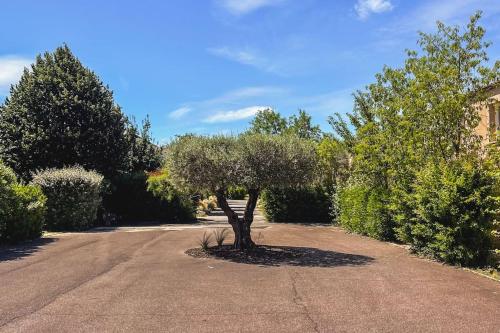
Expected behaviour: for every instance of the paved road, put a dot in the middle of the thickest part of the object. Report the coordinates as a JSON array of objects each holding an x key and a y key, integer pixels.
[{"x": 139, "y": 279}]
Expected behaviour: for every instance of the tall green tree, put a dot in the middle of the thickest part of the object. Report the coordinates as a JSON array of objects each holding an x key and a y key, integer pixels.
[
  {"x": 60, "y": 113},
  {"x": 301, "y": 125},
  {"x": 143, "y": 154},
  {"x": 271, "y": 122},
  {"x": 419, "y": 117},
  {"x": 268, "y": 121}
]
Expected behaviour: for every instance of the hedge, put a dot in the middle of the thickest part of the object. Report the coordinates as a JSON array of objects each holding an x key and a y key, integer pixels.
[
  {"x": 73, "y": 197},
  {"x": 22, "y": 209},
  {"x": 297, "y": 205}
]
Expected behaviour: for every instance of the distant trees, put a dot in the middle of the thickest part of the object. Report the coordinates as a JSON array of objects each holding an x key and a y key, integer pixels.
[
  {"x": 268, "y": 121},
  {"x": 271, "y": 122},
  {"x": 60, "y": 114},
  {"x": 143, "y": 154},
  {"x": 253, "y": 161}
]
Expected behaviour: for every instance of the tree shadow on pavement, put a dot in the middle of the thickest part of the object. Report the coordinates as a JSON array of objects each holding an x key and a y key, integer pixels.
[
  {"x": 14, "y": 252},
  {"x": 283, "y": 256}
]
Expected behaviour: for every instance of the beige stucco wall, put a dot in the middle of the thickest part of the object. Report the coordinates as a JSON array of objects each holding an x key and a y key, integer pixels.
[{"x": 487, "y": 111}]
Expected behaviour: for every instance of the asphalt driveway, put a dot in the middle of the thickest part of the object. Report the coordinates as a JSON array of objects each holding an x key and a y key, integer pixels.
[{"x": 140, "y": 279}]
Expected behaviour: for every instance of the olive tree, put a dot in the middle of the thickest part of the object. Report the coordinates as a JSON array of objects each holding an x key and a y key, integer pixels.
[{"x": 253, "y": 161}]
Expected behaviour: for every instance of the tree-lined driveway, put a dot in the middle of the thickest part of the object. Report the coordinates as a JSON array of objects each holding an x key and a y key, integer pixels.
[{"x": 140, "y": 279}]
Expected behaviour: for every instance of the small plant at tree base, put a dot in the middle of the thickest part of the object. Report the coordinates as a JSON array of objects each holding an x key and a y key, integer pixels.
[
  {"x": 205, "y": 241},
  {"x": 220, "y": 235}
]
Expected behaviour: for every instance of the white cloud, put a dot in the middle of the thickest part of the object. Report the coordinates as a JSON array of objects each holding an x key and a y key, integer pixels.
[
  {"x": 242, "y": 7},
  {"x": 11, "y": 69},
  {"x": 179, "y": 113},
  {"x": 365, "y": 8},
  {"x": 242, "y": 94},
  {"x": 211, "y": 110},
  {"x": 450, "y": 12},
  {"x": 243, "y": 56},
  {"x": 233, "y": 115}
]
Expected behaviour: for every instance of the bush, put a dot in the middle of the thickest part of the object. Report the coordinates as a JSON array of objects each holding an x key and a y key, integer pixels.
[
  {"x": 28, "y": 214},
  {"x": 136, "y": 197},
  {"x": 207, "y": 205},
  {"x": 307, "y": 205},
  {"x": 453, "y": 213},
  {"x": 363, "y": 210},
  {"x": 174, "y": 206},
  {"x": 236, "y": 192},
  {"x": 22, "y": 209},
  {"x": 7, "y": 181},
  {"x": 128, "y": 198},
  {"x": 73, "y": 197}
]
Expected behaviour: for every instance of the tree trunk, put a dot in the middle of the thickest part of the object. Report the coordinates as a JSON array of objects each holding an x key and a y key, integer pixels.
[{"x": 241, "y": 226}]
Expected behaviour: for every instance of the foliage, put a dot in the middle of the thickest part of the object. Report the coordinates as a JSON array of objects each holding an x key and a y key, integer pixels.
[
  {"x": 73, "y": 197},
  {"x": 28, "y": 216},
  {"x": 364, "y": 210},
  {"x": 253, "y": 161},
  {"x": 173, "y": 205},
  {"x": 59, "y": 114},
  {"x": 413, "y": 119},
  {"x": 220, "y": 235},
  {"x": 492, "y": 167},
  {"x": 452, "y": 215},
  {"x": 303, "y": 205},
  {"x": 205, "y": 241},
  {"x": 236, "y": 192},
  {"x": 207, "y": 205},
  {"x": 143, "y": 153},
  {"x": 268, "y": 121},
  {"x": 302, "y": 127},
  {"x": 333, "y": 161},
  {"x": 22, "y": 209},
  {"x": 271, "y": 122},
  {"x": 137, "y": 196}
]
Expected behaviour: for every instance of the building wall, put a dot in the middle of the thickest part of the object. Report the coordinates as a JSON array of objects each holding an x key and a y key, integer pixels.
[{"x": 489, "y": 112}]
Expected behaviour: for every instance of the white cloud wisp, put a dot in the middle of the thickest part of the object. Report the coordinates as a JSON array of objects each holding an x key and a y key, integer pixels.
[
  {"x": 364, "y": 8},
  {"x": 233, "y": 115}
]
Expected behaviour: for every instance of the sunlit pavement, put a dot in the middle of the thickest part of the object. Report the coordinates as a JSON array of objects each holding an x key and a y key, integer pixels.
[{"x": 117, "y": 280}]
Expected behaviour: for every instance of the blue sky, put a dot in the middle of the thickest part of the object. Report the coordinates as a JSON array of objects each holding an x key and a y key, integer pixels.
[{"x": 206, "y": 66}]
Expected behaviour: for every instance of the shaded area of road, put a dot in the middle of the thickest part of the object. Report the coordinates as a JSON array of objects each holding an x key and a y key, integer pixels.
[{"x": 141, "y": 280}]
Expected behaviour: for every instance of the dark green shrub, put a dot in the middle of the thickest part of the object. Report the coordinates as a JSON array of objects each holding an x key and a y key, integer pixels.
[
  {"x": 22, "y": 209},
  {"x": 453, "y": 213},
  {"x": 236, "y": 192},
  {"x": 136, "y": 197},
  {"x": 128, "y": 198},
  {"x": 73, "y": 197},
  {"x": 174, "y": 206},
  {"x": 308, "y": 205},
  {"x": 364, "y": 210}
]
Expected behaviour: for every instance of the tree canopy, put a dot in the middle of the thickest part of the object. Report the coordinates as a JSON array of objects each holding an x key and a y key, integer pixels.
[
  {"x": 409, "y": 124},
  {"x": 269, "y": 121},
  {"x": 59, "y": 114},
  {"x": 253, "y": 161}
]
